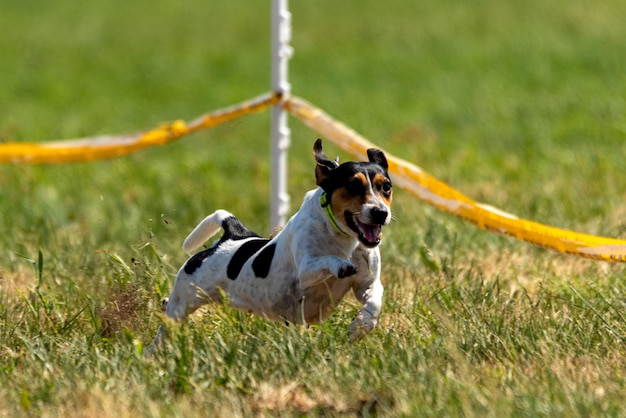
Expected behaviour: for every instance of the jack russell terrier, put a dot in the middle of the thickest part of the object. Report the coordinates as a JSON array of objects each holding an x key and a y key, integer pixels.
[{"x": 300, "y": 275}]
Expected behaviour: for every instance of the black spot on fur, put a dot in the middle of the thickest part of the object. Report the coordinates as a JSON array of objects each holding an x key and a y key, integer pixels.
[
  {"x": 263, "y": 261},
  {"x": 196, "y": 260},
  {"x": 242, "y": 255},
  {"x": 233, "y": 230}
]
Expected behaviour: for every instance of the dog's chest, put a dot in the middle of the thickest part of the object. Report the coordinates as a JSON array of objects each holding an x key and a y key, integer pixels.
[{"x": 320, "y": 301}]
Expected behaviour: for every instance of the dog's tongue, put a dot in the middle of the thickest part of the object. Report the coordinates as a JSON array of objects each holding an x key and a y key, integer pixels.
[{"x": 371, "y": 233}]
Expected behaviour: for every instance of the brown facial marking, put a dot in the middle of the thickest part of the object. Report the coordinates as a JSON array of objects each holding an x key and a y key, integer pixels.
[
  {"x": 351, "y": 197},
  {"x": 379, "y": 181}
]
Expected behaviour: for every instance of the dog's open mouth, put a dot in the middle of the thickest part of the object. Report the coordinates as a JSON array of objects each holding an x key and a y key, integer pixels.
[{"x": 369, "y": 235}]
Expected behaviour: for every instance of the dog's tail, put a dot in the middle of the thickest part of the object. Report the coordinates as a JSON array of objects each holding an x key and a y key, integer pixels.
[{"x": 206, "y": 229}]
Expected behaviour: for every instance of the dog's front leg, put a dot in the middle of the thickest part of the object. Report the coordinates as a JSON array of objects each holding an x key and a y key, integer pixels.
[
  {"x": 369, "y": 292},
  {"x": 367, "y": 317},
  {"x": 311, "y": 269}
]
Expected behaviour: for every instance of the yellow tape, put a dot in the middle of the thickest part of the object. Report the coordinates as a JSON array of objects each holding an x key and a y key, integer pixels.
[
  {"x": 88, "y": 149},
  {"x": 405, "y": 174},
  {"x": 413, "y": 179}
]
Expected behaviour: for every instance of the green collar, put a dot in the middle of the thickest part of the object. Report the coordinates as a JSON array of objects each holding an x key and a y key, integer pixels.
[{"x": 331, "y": 216}]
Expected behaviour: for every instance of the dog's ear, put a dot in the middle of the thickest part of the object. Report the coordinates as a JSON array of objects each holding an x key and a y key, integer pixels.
[
  {"x": 323, "y": 165},
  {"x": 377, "y": 156}
]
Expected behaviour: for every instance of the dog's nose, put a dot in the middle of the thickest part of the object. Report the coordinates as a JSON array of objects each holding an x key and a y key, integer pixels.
[{"x": 379, "y": 216}]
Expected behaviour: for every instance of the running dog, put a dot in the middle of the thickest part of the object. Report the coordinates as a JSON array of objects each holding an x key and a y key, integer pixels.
[{"x": 300, "y": 275}]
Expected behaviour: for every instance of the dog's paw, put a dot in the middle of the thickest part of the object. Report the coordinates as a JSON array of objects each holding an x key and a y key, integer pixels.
[
  {"x": 362, "y": 325},
  {"x": 345, "y": 270},
  {"x": 164, "y": 302}
]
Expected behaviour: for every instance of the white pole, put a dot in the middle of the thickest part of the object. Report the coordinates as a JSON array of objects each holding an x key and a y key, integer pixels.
[{"x": 281, "y": 52}]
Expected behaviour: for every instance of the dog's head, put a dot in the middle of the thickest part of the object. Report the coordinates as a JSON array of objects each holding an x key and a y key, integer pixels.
[{"x": 359, "y": 193}]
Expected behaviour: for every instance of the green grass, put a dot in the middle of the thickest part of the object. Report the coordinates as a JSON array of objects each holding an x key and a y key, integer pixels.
[{"x": 520, "y": 105}]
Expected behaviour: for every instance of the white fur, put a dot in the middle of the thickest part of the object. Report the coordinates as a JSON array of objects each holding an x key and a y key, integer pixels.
[{"x": 205, "y": 230}]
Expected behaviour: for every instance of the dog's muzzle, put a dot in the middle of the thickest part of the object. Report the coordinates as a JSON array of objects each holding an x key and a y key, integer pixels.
[{"x": 368, "y": 228}]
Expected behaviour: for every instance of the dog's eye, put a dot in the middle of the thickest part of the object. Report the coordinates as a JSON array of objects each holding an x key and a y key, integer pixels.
[
  {"x": 386, "y": 188},
  {"x": 355, "y": 187}
]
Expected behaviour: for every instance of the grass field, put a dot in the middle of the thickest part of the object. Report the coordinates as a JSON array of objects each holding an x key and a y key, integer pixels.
[{"x": 518, "y": 104}]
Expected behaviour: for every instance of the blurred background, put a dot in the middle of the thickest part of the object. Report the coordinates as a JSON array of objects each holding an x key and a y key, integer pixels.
[{"x": 520, "y": 105}]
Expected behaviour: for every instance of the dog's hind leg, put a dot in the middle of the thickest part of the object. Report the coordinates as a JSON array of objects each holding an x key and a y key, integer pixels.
[
  {"x": 185, "y": 298},
  {"x": 177, "y": 311}
]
